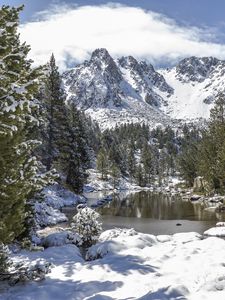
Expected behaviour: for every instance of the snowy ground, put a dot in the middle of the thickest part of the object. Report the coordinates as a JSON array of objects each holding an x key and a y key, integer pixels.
[
  {"x": 132, "y": 266},
  {"x": 95, "y": 183},
  {"x": 54, "y": 198}
]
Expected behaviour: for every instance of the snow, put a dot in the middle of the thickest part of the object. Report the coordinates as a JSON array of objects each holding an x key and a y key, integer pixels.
[
  {"x": 133, "y": 266},
  {"x": 116, "y": 92},
  {"x": 216, "y": 231},
  {"x": 187, "y": 101},
  {"x": 60, "y": 239},
  {"x": 220, "y": 224},
  {"x": 47, "y": 212},
  {"x": 95, "y": 183},
  {"x": 46, "y": 215},
  {"x": 133, "y": 111}
]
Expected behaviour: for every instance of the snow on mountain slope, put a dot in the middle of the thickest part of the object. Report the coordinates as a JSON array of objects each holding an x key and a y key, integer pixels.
[
  {"x": 196, "y": 82},
  {"x": 117, "y": 92},
  {"x": 125, "y": 90}
]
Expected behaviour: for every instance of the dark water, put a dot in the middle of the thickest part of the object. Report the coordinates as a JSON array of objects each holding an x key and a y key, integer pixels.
[{"x": 156, "y": 213}]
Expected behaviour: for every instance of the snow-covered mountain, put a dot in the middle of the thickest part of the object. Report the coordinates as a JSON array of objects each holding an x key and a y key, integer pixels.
[
  {"x": 126, "y": 90},
  {"x": 196, "y": 82}
]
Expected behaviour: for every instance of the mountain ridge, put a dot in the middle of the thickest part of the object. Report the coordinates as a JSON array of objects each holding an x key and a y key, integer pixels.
[{"x": 117, "y": 91}]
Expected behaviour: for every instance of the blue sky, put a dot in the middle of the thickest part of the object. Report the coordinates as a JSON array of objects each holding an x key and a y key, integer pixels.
[
  {"x": 182, "y": 27},
  {"x": 194, "y": 12}
]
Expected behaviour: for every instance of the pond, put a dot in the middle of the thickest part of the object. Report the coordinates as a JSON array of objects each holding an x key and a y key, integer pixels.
[{"x": 154, "y": 213}]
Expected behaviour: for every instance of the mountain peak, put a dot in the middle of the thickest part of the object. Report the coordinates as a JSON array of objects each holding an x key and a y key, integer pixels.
[
  {"x": 128, "y": 61},
  {"x": 101, "y": 53},
  {"x": 196, "y": 68}
]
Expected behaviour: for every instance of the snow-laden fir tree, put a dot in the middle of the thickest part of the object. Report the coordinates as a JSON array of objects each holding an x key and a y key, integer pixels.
[
  {"x": 64, "y": 140},
  {"x": 75, "y": 158},
  {"x": 212, "y": 147},
  {"x": 20, "y": 173},
  {"x": 87, "y": 225},
  {"x": 102, "y": 163},
  {"x": 54, "y": 113}
]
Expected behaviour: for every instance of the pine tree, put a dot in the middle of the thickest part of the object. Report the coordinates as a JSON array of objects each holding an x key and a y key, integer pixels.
[
  {"x": 147, "y": 161},
  {"x": 131, "y": 160},
  {"x": 102, "y": 163},
  {"x": 74, "y": 155},
  {"x": 87, "y": 225},
  {"x": 64, "y": 145},
  {"x": 54, "y": 113},
  {"x": 115, "y": 173},
  {"x": 140, "y": 176},
  {"x": 188, "y": 162},
  {"x": 212, "y": 147},
  {"x": 20, "y": 173}
]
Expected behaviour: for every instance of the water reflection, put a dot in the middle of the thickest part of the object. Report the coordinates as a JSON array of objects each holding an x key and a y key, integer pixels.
[
  {"x": 154, "y": 213},
  {"x": 157, "y": 206}
]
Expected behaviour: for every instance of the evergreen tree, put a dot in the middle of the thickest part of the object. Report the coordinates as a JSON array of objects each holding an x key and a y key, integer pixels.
[
  {"x": 74, "y": 156},
  {"x": 20, "y": 170},
  {"x": 188, "y": 163},
  {"x": 140, "y": 176},
  {"x": 147, "y": 161},
  {"x": 54, "y": 113},
  {"x": 87, "y": 225},
  {"x": 64, "y": 144},
  {"x": 131, "y": 161},
  {"x": 102, "y": 163},
  {"x": 212, "y": 147},
  {"x": 115, "y": 173}
]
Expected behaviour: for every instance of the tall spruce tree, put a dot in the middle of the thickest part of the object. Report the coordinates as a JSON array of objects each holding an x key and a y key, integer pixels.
[
  {"x": 212, "y": 147},
  {"x": 147, "y": 161},
  {"x": 103, "y": 163},
  {"x": 54, "y": 113},
  {"x": 64, "y": 145},
  {"x": 74, "y": 156},
  {"x": 19, "y": 176}
]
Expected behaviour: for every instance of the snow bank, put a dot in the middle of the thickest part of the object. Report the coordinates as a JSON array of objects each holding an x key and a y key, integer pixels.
[
  {"x": 57, "y": 197},
  {"x": 216, "y": 231},
  {"x": 134, "y": 266},
  {"x": 116, "y": 240},
  {"x": 47, "y": 212},
  {"x": 218, "y": 224},
  {"x": 60, "y": 239},
  {"x": 46, "y": 215},
  {"x": 96, "y": 184}
]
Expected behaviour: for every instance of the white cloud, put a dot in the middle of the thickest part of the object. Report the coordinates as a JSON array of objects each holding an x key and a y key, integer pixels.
[{"x": 74, "y": 32}]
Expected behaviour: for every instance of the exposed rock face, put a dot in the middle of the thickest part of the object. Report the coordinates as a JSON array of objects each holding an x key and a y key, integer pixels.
[
  {"x": 144, "y": 80},
  {"x": 96, "y": 82},
  {"x": 196, "y": 69}
]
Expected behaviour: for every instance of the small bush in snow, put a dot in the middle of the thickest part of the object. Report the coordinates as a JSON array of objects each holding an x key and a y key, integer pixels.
[
  {"x": 35, "y": 271},
  {"x": 87, "y": 225},
  {"x": 22, "y": 272}
]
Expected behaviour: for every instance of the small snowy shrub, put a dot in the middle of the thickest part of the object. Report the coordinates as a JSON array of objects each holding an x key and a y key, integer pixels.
[
  {"x": 87, "y": 225},
  {"x": 34, "y": 271}
]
